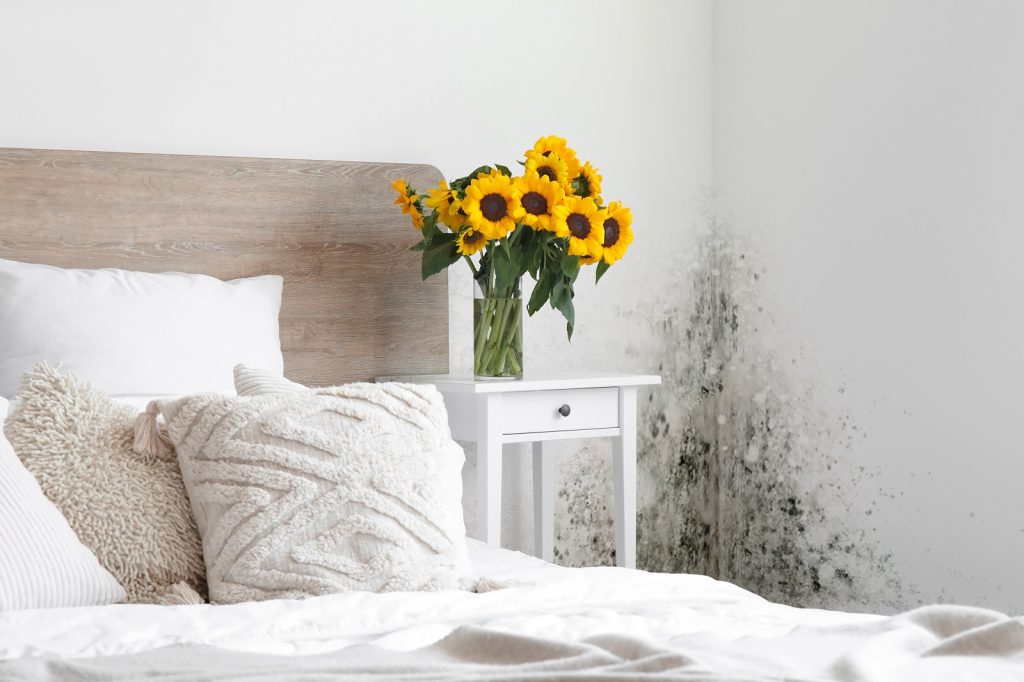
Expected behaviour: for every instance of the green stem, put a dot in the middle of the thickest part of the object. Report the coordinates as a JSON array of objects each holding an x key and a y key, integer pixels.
[
  {"x": 478, "y": 342},
  {"x": 471, "y": 266},
  {"x": 505, "y": 349},
  {"x": 498, "y": 335},
  {"x": 494, "y": 342}
]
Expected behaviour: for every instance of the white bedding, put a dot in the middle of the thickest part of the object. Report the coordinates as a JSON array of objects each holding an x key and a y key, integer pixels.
[
  {"x": 724, "y": 628},
  {"x": 553, "y": 601}
]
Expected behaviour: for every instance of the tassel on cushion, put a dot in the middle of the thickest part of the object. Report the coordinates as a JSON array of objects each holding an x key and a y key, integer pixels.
[
  {"x": 180, "y": 594},
  {"x": 151, "y": 439}
]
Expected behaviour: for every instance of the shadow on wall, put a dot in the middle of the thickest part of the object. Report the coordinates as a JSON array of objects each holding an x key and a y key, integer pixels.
[{"x": 744, "y": 475}]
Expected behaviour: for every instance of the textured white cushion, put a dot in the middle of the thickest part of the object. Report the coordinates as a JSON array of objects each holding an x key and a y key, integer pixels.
[
  {"x": 136, "y": 335},
  {"x": 42, "y": 563},
  {"x": 356, "y": 487}
]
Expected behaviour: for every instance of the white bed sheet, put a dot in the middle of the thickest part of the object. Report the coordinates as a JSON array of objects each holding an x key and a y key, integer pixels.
[
  {"x": 549, "y": 601},
  {"x": 721, "y": 630}
]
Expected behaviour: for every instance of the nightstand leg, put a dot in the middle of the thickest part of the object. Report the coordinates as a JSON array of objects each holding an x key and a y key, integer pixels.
[
  {"x": 624, "y": 480},
  {"x": 488, "y": 464},
  {"x": 543, "y": 503}
]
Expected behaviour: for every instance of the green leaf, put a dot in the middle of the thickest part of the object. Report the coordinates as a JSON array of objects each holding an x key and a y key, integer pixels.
[
  {"x": 505, "y": 269},
  {"x": 531, "y": 245},
  {"x": 462, "y": 183},
  {"x": 561, "y": 300},
  {"x": 419, "y": 246},
  {"x": 439, "y": 254},
  {"x": 570, "y": 265},
  {"x": 430, "y": 229},
  {"x": 540, "y": 294},
  {"x": 504, "y": 170},
  {"x": 602, "y": 267}
]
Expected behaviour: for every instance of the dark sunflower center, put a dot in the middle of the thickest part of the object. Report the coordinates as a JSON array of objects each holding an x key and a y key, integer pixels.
[
  {"x": 493, "y": 207},
  {"x": 547, "y": 172},
  {"x": 472, "y": 237},
  {"x": 611, "y": 232},
  {"x": 535, "y": 203},
  {"x": 579, "y": 225}
]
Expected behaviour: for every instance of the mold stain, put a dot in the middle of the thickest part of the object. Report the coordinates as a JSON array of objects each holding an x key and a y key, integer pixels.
[
  {"x": 584, "y": 529},
  {"x": 744, "y": 474}
]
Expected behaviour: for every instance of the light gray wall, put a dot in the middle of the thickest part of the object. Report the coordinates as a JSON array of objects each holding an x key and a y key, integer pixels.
[{"x": 876, "y": 151}]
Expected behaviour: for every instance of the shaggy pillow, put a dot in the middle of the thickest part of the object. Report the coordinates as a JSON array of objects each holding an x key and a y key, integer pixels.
[
  {"x": 356, "y": 487},
  {"x": 131, "y": 511}
]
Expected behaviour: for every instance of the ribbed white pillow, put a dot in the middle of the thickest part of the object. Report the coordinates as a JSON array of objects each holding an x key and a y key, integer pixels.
[
  {"x": 136, "y": 335},
  {"x": 252, "y": 382},
  {"x": 42, "y": 563}
]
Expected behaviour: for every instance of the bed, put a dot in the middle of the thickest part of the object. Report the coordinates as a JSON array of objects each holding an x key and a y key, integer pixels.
[{"x": 354, "y": 308}]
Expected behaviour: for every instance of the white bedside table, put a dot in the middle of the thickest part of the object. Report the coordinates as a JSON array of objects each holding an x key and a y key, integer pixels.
[{"x": 539, "y": 408}]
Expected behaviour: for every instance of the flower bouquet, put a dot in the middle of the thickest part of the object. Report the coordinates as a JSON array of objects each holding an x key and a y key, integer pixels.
[{"x": 549, "y": 222}]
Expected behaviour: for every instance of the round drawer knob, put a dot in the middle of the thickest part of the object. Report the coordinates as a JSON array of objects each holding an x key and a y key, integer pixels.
[{"x": 564, "y": 410}]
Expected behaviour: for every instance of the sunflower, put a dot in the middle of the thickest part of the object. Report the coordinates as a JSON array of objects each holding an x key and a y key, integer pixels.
[
  {"x": 578, "y": 218},
  {"x": 552, "y": 144},
  {"x": 617, "y": 221},
  {"x": 535, "y": 197},
  {"x": 416, "y": 216},
  {"x": 446, "y": 202},
  {"x": 589, "y": 260},
  {"x": 488, "y": 205},
  {"x": 587, "y": 183},
  {"x": 550, "y": 166},
  {"x": 470, "y": 241},
  {"x": 408, "y": 200}
]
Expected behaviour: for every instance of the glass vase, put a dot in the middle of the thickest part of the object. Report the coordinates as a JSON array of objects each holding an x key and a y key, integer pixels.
[{"x": 498, "y": 334}]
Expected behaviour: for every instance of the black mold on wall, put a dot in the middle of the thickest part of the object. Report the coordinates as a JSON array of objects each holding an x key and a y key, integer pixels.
[
  {"x": 744, "y": 475},
  {"x": 585, "y": 534}
]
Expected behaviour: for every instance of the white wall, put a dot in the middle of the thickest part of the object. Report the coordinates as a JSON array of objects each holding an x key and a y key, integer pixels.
[
  {"x": 453, "y": 84},
  {"x": 876, "y": 150}
]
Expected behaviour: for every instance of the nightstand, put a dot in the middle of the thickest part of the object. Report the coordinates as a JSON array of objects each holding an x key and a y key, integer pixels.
[{"x": 540, "y": 408}]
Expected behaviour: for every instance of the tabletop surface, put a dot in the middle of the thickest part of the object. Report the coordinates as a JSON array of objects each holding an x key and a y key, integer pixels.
[{"x": 531, "y": 381}]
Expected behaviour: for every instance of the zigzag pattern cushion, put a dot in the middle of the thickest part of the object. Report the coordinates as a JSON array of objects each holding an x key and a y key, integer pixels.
[{"x": 356, "y": 487}]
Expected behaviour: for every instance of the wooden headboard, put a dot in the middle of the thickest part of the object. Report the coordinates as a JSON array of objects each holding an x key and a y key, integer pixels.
[{"x": 354, "y": 305}]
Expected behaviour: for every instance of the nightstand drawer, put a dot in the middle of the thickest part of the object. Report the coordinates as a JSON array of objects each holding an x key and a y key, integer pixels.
[{"x": 569, "y": 410}]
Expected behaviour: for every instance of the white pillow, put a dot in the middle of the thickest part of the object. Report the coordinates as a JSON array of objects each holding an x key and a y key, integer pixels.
[
  {"x": 136, "y": 335},
  {"x": 42, "y": 563}
]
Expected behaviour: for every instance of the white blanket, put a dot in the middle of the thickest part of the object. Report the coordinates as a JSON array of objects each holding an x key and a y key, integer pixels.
[{"x": 720, "y": 630}]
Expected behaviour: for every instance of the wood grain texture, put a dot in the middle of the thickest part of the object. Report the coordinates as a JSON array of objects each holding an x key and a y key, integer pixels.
[{"x": 354, "y": 304}]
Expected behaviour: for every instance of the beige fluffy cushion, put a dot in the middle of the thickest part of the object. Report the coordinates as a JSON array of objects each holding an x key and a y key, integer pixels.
[
  {"x": 131, "y": 511},
  {"x": 356, "y": 487}
]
